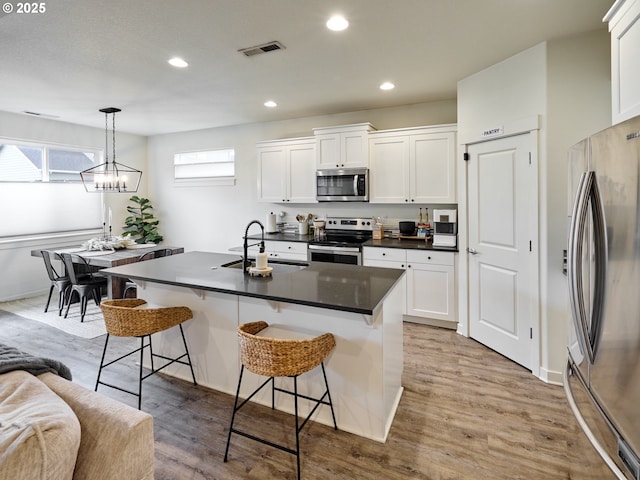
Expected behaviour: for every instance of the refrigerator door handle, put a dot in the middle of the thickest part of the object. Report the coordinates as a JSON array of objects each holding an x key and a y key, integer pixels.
[
  {"x": 600, "y": 274},
  {"x": 588, "y": 195},
  {"x": 574, "y": 263}
]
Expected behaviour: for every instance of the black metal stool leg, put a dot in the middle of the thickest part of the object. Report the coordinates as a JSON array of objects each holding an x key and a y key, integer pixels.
[
  {"x": 233, "y": 415},
  {"x": 193, "y": 375},
  {"x": 153, "y": 369},
  {"x": 273, "y": 393},
  {"x": 333, "y": 415},
  {"x": 140, "y": 378},
  {"x": 295, "y": 401},
  {"x": 104, "y": 352}
]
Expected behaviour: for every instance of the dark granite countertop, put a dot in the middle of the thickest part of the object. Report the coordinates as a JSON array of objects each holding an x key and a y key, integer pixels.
[
  {"x": 333, "y": 286},
  {"x": 385, "y": 242},
  {"x": 283, "y": 237}
]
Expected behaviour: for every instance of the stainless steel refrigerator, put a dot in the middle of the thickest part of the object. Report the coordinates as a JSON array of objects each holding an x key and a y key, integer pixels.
[{"x": 602, "y": 378}]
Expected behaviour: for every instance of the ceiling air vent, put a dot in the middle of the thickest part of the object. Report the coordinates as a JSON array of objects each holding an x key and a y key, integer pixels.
[{"x": 264, "y": 48}]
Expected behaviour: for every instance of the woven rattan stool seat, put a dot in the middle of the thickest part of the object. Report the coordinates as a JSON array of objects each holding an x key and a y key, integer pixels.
[
  {"x": 124, "y": 319},
  {"x": 132, "y": 317},
  {"x": 278, "y": 357},
  {"x": 274, "y": 357}
]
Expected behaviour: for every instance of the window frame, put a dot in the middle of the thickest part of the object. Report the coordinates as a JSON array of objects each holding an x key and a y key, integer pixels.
[
  {"x": 45, "y": 174},
  {"x": 204, "y": 180}
]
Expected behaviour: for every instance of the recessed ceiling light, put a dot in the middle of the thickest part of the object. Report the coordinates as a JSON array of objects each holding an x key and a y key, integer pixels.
[
  {"x": 178, "y": 62},
  {"x": 387, "y": 86},
  {"x": 337, "y": 23},
  {"x": 270, "y": 104}
]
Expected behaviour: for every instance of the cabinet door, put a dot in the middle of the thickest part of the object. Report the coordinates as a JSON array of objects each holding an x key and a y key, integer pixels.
[
  {"x": 302, "y": 173},
  {"x": 354, "y": 149},
  {"x": 272, "y": 173},
  {"x": 432, "y": 168},
  {"x": 430, "y": 291},
  {"x": 389, "y": 173},
  {"x": 328, "y": 150},
  {"x": 625, "y": 68}
]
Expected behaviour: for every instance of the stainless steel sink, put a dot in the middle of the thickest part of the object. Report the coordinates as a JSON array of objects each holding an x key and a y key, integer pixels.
[{"x": 278, "y": 265}]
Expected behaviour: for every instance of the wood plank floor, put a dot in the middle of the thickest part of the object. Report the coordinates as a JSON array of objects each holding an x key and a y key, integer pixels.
[{"x": 466, "y": 413}]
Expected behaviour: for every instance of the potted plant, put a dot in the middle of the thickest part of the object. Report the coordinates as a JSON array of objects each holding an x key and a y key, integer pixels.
[{"x": 141, "y": 222}]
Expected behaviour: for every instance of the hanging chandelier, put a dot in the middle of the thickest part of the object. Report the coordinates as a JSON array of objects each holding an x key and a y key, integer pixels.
[{"x": 110, "y": 176}]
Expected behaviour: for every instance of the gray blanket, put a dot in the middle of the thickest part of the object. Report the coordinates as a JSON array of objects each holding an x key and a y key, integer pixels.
[{"x": 13, "y": 359}]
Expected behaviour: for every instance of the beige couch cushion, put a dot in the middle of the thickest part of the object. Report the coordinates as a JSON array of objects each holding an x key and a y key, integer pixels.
[
  {"x": 39, "y": 433},
  {"x": 117, "y": 440}
]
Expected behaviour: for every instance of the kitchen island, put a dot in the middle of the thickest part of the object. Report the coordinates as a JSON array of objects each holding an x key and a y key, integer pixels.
[{"x": 361, "y": 306}]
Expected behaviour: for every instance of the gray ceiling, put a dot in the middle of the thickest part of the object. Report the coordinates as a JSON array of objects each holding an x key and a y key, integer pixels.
[{"x": 83, "y": 55}]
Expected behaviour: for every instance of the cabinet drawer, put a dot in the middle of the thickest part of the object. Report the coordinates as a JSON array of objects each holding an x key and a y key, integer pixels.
[
  {"x": 430, "y": 257},
  {"x": 298, "y": 248},
  {"x": 368, "y": 262},
  {"x": 391, "y": 254}
]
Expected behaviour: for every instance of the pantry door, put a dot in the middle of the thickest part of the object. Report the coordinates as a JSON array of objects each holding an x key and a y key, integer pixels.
[{"x": 503, "y": 245}]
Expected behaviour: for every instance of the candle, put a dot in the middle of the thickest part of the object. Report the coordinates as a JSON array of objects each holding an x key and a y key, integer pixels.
[{"x": 109, "y": 217}]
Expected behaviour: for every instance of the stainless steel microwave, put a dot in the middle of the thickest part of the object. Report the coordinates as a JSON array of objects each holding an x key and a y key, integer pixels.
[{"x": 342, "y": 185}]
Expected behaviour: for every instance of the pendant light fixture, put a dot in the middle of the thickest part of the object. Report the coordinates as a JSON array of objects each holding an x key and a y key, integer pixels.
[{"x": 110, "y": 176}]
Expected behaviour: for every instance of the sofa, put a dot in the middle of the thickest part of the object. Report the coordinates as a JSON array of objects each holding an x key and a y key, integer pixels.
[{"x": 54, "y": 429}]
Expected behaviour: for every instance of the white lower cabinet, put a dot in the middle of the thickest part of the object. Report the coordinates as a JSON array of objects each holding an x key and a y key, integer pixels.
[{"x": 430, "y": 279}]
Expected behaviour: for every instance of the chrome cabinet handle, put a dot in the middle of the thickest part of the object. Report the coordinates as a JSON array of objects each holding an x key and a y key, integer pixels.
[{"x": 472, "y": 251}]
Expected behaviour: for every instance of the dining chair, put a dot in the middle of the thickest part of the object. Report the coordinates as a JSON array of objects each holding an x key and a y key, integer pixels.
[
  {"x": 59, "y": 282},
  {"x": 130, "y": 285},
  {"x": 84, "y": 285}
]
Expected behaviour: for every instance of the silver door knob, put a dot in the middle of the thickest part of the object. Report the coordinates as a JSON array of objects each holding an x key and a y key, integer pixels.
[{"x": 472, "y": 251}]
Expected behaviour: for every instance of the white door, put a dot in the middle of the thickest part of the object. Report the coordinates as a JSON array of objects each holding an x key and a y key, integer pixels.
[{"x": 503, "y": 272}]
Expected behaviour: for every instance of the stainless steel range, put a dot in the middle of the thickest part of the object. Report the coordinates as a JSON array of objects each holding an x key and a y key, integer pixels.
[{"x": 342, "y": 240}]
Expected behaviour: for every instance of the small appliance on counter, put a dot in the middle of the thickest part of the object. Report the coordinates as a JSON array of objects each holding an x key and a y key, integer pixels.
[
  {"x": 407, "y": 228},
  {"x": 270, "y": 225},
  {"x": 445, "y": 228}
]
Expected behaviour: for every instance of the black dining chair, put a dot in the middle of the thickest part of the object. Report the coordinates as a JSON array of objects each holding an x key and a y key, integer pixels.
[
  {"x": 130, "y": 286},
  {"x": 59, "y": 282},
  {"x": 84, "y": 285}
]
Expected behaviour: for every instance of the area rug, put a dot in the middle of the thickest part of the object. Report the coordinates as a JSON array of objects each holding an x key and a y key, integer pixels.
[{"x": 33, "y": 308}]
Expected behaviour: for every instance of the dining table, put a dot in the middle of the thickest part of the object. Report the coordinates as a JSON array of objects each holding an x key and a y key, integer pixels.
[{"x": 109, "y": 258}]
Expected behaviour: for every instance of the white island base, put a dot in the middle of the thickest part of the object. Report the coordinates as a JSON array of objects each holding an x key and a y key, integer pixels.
[{"x": 364, "y": 371}]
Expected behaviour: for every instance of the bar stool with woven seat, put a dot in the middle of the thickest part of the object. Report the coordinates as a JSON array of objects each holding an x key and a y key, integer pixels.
[
  {"x": 275, "y": 357},
  {"x": 131, "y": 318}
]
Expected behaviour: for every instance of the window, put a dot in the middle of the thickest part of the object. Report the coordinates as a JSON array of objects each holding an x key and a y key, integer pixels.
[
  {"x": 41, "y": 191},
  {"x": 43, "y": 163},
  {"x": 212, "y": 166}
]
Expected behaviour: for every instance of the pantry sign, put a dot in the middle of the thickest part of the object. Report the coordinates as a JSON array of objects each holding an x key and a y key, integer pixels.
[{"x": 493, "y": 132}]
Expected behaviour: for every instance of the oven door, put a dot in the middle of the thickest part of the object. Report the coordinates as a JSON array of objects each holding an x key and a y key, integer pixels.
[{"x": 327, "y": 253}]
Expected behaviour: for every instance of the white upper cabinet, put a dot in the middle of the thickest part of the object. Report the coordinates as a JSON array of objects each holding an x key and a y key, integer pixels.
[
  {"x": 624, "y": 25},
  {"x": 413, "y": 165},
  {"x": 346, "y": 146},
  {"x": 287, "y": 170}
]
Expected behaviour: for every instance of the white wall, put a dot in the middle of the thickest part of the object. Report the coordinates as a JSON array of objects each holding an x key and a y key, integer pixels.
[
  {"x": 578, "y": 104},
  {"x": 565, "y": 83},
  {"x": 24, "y": 275},
  {"x": 214, "y": 218}
]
